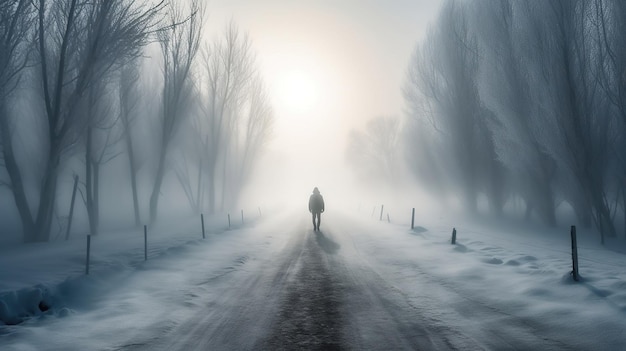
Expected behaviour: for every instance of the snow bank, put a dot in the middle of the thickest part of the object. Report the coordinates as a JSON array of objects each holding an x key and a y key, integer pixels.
[{"x": 43, "y": 279}]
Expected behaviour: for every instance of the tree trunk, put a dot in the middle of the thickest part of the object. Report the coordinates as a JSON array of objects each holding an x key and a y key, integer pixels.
[
  {"x": 47, "y": 196},
  {"x": 92, "y": 176},
  {"x": 156, "y": 190},
  {"x": 211, "y": 183},
  {"x": 89, "y": 183},
  {"x": 133, "y": 176},
  {"x": 546, "y": 208},
  {"x": 71, "y": 214},
  {"x": 17, "y": 184},
  {"x": 198, "y": 203},
  {"x": 96, "y": 197},
  {"x": 225, "y": 183},
  {"x": 602, "y": 214}
]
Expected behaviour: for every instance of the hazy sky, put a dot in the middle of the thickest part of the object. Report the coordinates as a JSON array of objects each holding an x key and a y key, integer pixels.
[{"x": 330, "y": 65}]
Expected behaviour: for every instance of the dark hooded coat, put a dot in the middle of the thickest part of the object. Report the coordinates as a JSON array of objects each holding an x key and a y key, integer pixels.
[{"x": 316, "y": 202}]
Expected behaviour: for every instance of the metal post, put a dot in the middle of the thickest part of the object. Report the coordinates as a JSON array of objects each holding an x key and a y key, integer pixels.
[
  {"x": 145, "y": 242},
  {"x": 574, "y": 253},
  {"x": 241, "y": 216},
  {"x": 453, "y": 236},
  {"x": 88, "y": 254},
  {"x": 413, "y": 218},
  {"x": 202, "y": 220}
]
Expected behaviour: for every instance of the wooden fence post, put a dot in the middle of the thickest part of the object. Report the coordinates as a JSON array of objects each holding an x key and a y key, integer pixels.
[
  {"x": 88, "y": 254},
  {"x": 574, "y": 254},
  {"x": 241, "y": 216},
  {"x": 145, "y": 242},
  {"x": 69, "y": 220},
  {"x": 381, "y": 211},
  {"x": 202, "y": 220},
  {"x": 229, "y": 221},
  {"x": 453, "y": 236},
  {"x": 260, "y": 215},
  {"x": 413, "y": 218},
  {"x": 388, "y": 220}
]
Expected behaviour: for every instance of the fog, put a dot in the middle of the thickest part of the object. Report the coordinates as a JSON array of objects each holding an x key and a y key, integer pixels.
[
  {"x": 157, "y": 115},
  {"x": 493, "y": 109},
  {"x": 331, "y": 67}
]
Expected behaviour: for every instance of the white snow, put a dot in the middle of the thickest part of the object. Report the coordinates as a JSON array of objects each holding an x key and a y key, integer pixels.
[
  {"x": 468, "y": 289},
  {"x": 521, "y": 272}
]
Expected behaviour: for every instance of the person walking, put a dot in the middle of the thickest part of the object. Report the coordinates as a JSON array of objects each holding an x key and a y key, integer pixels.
[{"x": 316, "y": 207}]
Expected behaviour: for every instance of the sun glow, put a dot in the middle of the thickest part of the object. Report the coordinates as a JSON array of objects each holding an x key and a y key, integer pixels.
[{"x": 297, "y": 91}]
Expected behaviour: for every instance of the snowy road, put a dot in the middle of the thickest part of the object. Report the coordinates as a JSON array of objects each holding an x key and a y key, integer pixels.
[
  {"x": 319, "y": 291},
  {"x": 310, "y": 296},
  {"x": 359, "y": 284}
]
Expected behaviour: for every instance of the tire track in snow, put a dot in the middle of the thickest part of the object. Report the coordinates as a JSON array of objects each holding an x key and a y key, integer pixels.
[
  {"x": 242, "y": 306},
  {"x": 309, "y": 315},
  {"x": 319, "y": 292},
  {"x": 336, "y": 302}
]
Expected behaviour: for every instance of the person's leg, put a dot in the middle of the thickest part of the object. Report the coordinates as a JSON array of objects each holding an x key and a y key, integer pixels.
[
  {"x": 319, "y": 220},
  {"x": 313, "y": 216}
]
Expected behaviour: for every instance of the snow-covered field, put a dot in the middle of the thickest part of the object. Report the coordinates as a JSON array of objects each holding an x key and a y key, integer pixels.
[
  {"x": 493, "y": 273},
  {"x": 495, "y": 287}
]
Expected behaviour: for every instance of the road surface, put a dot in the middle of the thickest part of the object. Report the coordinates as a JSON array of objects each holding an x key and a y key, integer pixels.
[{"x": 320, "y": 292}]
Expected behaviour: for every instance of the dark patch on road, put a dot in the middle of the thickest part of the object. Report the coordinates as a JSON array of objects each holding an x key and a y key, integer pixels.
[{"x": 309, "y": 317}]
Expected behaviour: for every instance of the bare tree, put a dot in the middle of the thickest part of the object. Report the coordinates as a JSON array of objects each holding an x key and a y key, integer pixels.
[
  {"x": 228, "y": 69},
  {"x": 507, "y": 91},
  {"x": 611, "y": 31},
  {"x": 129, "y": 98},
  {"x": 547, "y": 103},
  {"x": 234, "y": 121},
  {"x": 102, "y": 130},
  {"x": 16, "y": 18},
  {"x": 442, "y": 88},
  {"x": 252, "y": 131},
  {"x": 179, "y": 46},
  {"x": 191, "y": 166},
  {"x": 578, "y": 135},
  {"x": 78, "y": 42},
  {"x": 101, "y": 136},
  {"x": 373, "y": 152}
]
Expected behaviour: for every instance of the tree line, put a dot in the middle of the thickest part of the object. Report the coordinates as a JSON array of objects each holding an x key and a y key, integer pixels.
[
  {"x": 79, "y": 88},
  {"x": 524, "y": 100}
]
